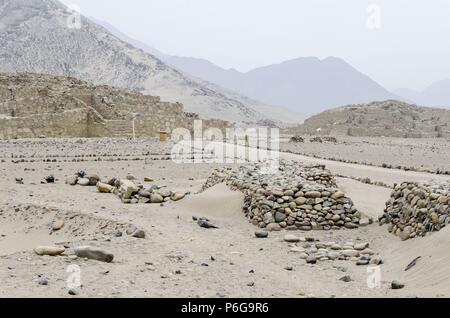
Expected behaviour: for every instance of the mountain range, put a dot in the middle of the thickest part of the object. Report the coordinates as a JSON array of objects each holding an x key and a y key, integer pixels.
[
  {"x": 39, "y": 36},
  {"x": 308, "y": 85},
  {"x": 36, "y": 36}
]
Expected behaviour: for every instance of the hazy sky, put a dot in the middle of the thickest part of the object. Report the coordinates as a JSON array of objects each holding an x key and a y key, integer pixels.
[{"x": 399, "y": 43}]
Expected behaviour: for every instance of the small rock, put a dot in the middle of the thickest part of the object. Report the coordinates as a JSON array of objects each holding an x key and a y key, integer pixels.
[
  {"x": 336, "y": 247},
  {"x": 58, "y": 225},
  {"x": 363, "y": 262},
  {"x": 50, "y": 179},
  {"x": 290, "y": 238},
  {"x": 104, "y": 187},
  {"x": 83, "y": 182},
  {"x": 297, "y": 249},
  {"x": 333, "y": 255},
  {"x": 341, "y": 269},
  {"x": 367, "y": 251},
  {"x": 93, "y": 179},
  {"x": 94, "y": 253},
  {"x": 273, "y": 227},
  {"x": 148, "y": 179},
  {"x": 156, "y": 198},
  {"x": 177, "y": 196},
  {"x": 207, "y": 225},
  {"x": 262, "y": 234},
  {"x": 72, "y": 180},
  {"x": 397, "y": 285},
  {"x": 49, "y": 250},
  {"x": 139, "y": 234},
  {"x": 338, "y": 195},
  {"x": 376, "y": 260},
  {"x": 303, "y": 256},
  {"x": 364, "y": 222},
  {"x": 72, "y": 292},
  {"x": 361, "y": 246},
  {"x": 346, "y": 279},
  {"x": 127, "y": 188},
  {"x": 43, "y": 281},
  {"x": 311, "y": 259}
]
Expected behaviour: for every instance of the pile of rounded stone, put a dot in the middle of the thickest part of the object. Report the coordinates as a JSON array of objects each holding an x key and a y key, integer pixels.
[
  {"x": 297, "y": 139},
  {"x": 288, "y": 200},
  {"x": 83, "y": 179},
  {"x": 314, "y": 251},
  {"x": 316, "y": 140},
  {"x": 416, "y": 209},
  {"x": 330, "y": 139},
  {"x": 127, "y": 190}
]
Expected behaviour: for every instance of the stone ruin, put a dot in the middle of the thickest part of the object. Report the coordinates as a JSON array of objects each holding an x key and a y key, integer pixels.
[
  {"x": 298, "y": 197},
  {"x": 37, "y": 105},
  {"x": 417, "y": 209}
]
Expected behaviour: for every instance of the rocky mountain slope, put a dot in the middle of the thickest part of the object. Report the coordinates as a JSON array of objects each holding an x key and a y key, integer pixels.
[
  {"x": 308, "y": 85},
  {"x": 43, "y": 36},
  {"x": 389, "y": 118}
]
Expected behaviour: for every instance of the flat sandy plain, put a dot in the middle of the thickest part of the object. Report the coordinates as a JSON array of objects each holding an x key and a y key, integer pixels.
[
  {"x": 421, "y": 154},
  {"x": 178, "y": 258}
]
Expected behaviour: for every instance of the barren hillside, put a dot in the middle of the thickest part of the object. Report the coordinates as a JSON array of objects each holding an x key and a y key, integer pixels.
[{"x": 389, "y": 118}]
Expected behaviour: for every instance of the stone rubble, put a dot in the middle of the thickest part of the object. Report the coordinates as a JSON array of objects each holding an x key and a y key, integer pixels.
[
  {"x": 297, "y": 197},
  {"x": 316, "y": 251},
  {"x": 297, "y": 139},
  {"x": 416, "y": 209},
  {"x": 127, "y": 190}
]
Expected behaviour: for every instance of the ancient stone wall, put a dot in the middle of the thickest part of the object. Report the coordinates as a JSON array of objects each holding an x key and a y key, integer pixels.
[
  {"x": 66, "y": 124},
  {"x": 416, "y": 209},
  {"x": 297, "y": 197},
  {"x": 34, "y": 105}
]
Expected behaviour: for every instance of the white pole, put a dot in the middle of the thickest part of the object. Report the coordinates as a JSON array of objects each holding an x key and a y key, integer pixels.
[{"x": 134, "y": 133}]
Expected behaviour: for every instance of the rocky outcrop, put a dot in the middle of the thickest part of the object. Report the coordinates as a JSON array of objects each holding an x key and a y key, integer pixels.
[{"x": 416, "y": 209}]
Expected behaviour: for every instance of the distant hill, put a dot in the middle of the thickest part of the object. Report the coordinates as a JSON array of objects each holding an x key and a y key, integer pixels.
[
  {"x": 389, "y": 118},
  {"x": 437, "y": 94}
]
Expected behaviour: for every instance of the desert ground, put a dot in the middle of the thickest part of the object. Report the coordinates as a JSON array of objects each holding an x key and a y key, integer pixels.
[
  {"x": 177, "y": 257},
  {"x": 424, "y": 154}
]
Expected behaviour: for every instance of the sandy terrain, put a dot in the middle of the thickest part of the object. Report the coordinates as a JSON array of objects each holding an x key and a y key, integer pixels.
[
  {"x": 178, "y": 258},
  {"x": 422, "y": 154}
]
